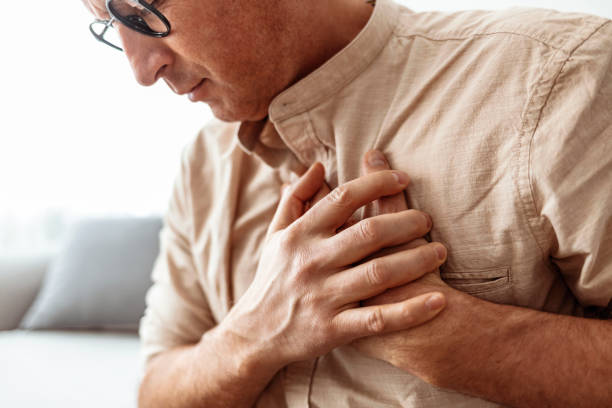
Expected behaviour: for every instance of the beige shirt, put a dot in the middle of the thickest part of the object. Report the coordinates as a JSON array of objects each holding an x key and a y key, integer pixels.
[{"x": 502, "y": 119}]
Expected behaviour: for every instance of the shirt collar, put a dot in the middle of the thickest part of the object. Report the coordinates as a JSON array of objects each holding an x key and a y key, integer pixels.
[{"x": 332, "y": 76}]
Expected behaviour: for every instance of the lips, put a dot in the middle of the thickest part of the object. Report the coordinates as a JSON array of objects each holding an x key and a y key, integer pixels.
[{"x": 194, "y": 90}]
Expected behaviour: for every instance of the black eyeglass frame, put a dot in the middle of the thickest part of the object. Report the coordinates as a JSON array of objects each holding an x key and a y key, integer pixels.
[{"x": 132, "y": 22}]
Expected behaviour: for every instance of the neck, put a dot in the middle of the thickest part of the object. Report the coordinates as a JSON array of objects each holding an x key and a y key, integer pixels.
[{"x": 324, "y": 29}]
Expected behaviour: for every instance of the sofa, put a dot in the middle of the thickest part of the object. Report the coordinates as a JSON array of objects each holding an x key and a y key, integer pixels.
[{"x": 69, "y": 319}]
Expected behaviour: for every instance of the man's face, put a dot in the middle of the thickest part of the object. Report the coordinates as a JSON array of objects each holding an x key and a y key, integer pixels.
[{"x": 226, "y": 53}]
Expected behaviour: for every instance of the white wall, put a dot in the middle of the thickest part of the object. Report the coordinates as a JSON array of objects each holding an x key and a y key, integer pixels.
[{"x": 78, "y": 136}]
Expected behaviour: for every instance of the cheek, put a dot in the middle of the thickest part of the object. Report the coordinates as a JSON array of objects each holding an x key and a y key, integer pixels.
[
  {"x": 198, "y": 46},
  {"x": 218, "y": 35}
]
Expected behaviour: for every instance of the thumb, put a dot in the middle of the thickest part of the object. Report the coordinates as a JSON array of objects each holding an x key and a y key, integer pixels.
[
  {"x": 373, "y": 161},
  {"x": 323, "y": 191},
  {"x": 294, "y": 197}
]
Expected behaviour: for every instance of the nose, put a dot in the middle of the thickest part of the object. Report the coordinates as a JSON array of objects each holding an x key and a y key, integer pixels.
[{"x": 148, "y": 56}]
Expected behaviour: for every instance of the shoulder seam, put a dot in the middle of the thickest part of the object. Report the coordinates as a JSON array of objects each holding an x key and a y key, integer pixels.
[
  {"x": 496, "y": 24},
  {"x": 524, "y": 171},
  {"x": 459, "y": 38}
]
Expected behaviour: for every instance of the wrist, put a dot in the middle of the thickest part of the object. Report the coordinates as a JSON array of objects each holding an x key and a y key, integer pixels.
[
  {"x": 482, "y": 332},
  {"x": 246, "y": 357}
]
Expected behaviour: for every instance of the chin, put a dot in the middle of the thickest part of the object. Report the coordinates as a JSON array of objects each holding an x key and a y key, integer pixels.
[{"x": 238, "y": 113}]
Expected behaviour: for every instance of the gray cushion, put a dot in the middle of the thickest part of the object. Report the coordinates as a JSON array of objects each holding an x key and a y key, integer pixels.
[
  {"x": 20, "y": 280},
  {"x": 100, "y": 277}
]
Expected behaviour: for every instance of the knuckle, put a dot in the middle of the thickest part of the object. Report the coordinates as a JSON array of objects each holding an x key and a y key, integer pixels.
[
  {"x": 337, "y": 330},
  {"x": 409, "y": 316},
  {"x": 288, "y": 240},
  {"x": 376, "y": 273},
  {"x": 375, "y": 321},
  {"x": 426, "y": 257},
  {"x": 310, "y": 300},
  {"x": 367, "y": 230},
  {"x": 419, "y": 221},
  {"x": 423, "y": 221},
  {"x": 341, "y": 196},
  {"x": 420, "y": 257},
  {"x": 324, "y": 330},
  {"x": 302, "y": 258},
  {"x": 305, "y": 262}
]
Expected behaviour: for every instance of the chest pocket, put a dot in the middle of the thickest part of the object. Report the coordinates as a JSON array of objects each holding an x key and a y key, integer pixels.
[{"x": 494, "y": 285}]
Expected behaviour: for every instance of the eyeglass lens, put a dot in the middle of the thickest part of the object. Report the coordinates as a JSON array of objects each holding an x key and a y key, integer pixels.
[{"x": 137, "y": 15}]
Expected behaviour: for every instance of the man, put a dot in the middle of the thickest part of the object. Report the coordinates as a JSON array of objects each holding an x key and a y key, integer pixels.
[{"x": 502, "y": 120}]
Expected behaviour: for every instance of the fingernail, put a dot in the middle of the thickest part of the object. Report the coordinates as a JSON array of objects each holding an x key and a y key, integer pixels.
[
  {"x": 441, "y": 251},
  {"x": 377, "y": 160},
  {"x": 401, "y": 177},
  {"x": 435, "y": 302},
  {"x": 427, "y": 221}
]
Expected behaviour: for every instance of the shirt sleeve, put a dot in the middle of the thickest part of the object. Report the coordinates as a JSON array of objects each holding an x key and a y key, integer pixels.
[
  {"x": 571, "y": 170},
  {"x": 177, "y": 311}
]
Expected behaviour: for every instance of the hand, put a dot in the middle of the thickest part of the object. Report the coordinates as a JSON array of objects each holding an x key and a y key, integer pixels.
[
  {"x": 407, "y": 349},
  {"x": 304, "y": 299},
  {"x": 374, "y": 161}
]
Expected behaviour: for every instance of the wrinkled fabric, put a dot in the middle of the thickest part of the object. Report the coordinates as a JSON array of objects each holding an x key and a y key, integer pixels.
[{"x": 502, "y": 119}]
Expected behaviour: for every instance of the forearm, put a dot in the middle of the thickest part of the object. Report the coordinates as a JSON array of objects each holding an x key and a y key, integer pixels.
[
  {"x": 220, "y": 371},
  {"x": 526, "y": 358}
]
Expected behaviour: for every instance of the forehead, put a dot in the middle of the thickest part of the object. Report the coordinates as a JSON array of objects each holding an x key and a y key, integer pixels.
[{"x": 96, "y": 7}]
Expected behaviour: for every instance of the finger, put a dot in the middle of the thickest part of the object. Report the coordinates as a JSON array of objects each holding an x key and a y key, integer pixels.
[
  {"x": 373, "y": 161},
  {"x": 377, "y": 275},
  {"x": 372, "y": 234},
  {"x": 294, "y": 197},
  {"x": 398, "y": 248},
  {"x": 426, "y": 283},
  {"x": 333, "y": 211},
  {"x": 372, "y": 320},
  {"x": 323, "y": 191}
]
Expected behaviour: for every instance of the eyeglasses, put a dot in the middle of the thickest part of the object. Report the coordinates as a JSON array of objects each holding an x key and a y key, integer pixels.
[{"x": 137, "y": 15}]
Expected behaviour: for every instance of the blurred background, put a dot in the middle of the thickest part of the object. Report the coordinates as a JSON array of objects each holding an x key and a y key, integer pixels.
[
  {"x": 87, "y": 162},
  {"x": 79, "y": 137}
]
